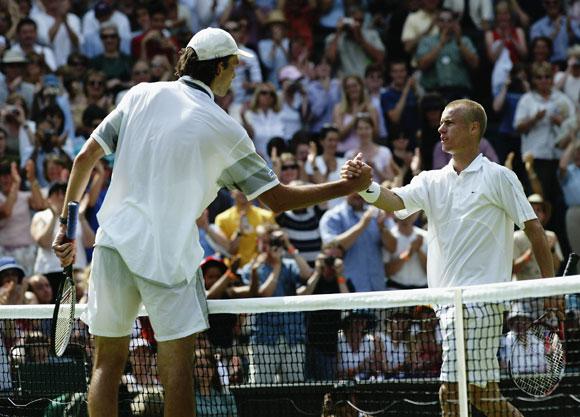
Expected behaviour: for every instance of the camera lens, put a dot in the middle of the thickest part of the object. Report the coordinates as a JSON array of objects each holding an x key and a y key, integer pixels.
[{"x": 329, "y": 260}]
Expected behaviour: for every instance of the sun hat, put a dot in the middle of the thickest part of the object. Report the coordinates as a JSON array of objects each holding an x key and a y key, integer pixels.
[
  {"x": 8, "y": 262},
  {"x": 212, "y": 43},
  {"x": 12, "y": 56}
]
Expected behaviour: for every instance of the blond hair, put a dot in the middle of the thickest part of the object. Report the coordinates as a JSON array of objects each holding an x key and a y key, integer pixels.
[
  {"x": 263, "y": 87},
  {"x": 472, "y": 111}
]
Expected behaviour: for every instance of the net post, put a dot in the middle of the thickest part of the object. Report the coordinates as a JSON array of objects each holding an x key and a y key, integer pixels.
[{"x": 461, "y": 358}]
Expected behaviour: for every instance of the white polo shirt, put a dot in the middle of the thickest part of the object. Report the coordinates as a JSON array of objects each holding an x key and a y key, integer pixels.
[
  {"x": 471, "y": 221},
  {"x": 174, "y": 148}
]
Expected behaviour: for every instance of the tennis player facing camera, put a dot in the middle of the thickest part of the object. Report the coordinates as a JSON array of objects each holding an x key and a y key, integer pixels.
[
  {"x": 174, "y": 148},
  {"x": 471, "y": 205}
]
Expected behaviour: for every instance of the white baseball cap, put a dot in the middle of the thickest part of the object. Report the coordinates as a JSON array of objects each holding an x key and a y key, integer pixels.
[{"x": 212, "y": 43}]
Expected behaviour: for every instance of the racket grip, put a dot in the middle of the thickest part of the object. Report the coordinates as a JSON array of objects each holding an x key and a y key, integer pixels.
[{"x": 72, "y": 217}]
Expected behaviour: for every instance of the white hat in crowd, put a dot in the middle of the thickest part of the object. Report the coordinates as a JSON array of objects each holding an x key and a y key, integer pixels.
[{"x": 212, "y": 43}]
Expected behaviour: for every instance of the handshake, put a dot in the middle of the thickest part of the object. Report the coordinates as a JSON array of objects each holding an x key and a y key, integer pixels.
[{"x": 358, "y": 171}]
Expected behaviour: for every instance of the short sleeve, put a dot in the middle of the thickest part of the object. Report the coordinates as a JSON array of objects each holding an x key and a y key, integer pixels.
[
  {"x": 107, "y": 133},
  {"x": 511, "y": 197},
  {"x": 249, "y": 173},
  {"x": 522, "y": 111},
  {"x": 415, "y": 196}
]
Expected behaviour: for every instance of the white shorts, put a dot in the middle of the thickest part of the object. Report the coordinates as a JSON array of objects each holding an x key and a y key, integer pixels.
[
  {"x": 483, "y": 325},
  {"x": 115, "y": 297}
]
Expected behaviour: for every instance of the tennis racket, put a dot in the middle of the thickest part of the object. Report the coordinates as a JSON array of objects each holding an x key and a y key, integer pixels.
[
  {"x": 64, "y": 309},
  {"x": 538, "y": 361}
]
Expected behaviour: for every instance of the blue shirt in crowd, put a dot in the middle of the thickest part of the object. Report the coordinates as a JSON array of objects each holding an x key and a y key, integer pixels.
[
  {"x": 268, "y": 327},
  {"x": 363, "y": 261}
]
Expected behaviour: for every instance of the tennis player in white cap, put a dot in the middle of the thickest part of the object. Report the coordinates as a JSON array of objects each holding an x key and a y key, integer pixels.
[{"x": 174, "y": 148}]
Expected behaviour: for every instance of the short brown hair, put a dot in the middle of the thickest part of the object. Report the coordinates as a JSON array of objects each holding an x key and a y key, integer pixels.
[
  {"x": 472, "y": 111},
  {"x": 204, "y": 71}
]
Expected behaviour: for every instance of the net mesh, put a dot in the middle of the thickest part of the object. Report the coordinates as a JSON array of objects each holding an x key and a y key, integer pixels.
[{"x": 372, "y": 354}]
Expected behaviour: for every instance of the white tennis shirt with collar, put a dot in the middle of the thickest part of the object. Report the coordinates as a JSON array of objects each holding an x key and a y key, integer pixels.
[
  {"x": 174, "y": 148},
  {"x": 471, "y": 219}
]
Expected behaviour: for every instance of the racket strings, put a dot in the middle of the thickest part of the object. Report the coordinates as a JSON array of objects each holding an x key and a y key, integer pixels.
[
  {"x": 538, "y": 364},
  {"x": 64, "y": 319}
]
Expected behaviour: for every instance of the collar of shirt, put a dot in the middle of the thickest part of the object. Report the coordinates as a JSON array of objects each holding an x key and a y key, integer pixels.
[
  {"x": 205, "y": 88},
  {"x": 475, "y": 165}
]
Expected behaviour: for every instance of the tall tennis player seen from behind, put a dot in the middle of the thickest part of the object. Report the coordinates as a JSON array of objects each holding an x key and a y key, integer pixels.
[
  {"x": 471, "y": 205},
  {"x": 174, "y": 148}
]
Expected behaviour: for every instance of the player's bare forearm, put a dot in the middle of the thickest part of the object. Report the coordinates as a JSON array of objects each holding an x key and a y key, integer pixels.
[
  {"x": 81, "y": 171},
  {"x": 537, "y": 236}
]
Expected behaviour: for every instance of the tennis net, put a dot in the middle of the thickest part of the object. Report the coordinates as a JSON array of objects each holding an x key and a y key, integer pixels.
[{"x": 363, "y": 354}]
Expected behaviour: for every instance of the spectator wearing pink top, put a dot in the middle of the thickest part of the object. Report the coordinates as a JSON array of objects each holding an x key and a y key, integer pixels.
[{"x": 15, "y": 217}]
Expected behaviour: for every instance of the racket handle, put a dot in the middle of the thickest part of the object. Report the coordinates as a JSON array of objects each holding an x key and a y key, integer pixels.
[
  {"x": 72, "y": 216},
  {"x": 571, "y": 264}
]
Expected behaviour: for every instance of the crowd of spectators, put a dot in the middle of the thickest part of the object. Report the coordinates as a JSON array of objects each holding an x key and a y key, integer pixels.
[{"x": 329, "y": 79}]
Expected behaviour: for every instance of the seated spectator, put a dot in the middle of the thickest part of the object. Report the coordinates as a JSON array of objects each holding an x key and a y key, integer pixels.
[
  {"x": 211, "y": 238},
  {"x": 294, "y": 101},
  {"x": 27, "y": 35},
  {"x": 322, "y": 326},
  {"x": 13, "y": 65},
  {"x": 324, "y": 92},
  {"x": 141, "y": 73},
  {"x": 557, "y": 26},
  {"x": 525, "y": 264},
  {"x": 302, "y": 228},
  {"x": 43, "y": 229},
  {"x": 161, "y": 69},
  {"x": 419, "y": 24},
  {"x": 142, "y": 377},
  {"x": 541, "y": 49},
  {"x": 19, "y": 129},
  {"x": 405, "y": 157},
  {"x": 274, "y": 48},
  {"x": 359, "y": 354},
  {"x": 248, "y": 72},
  {"x": 362, "y": 233},
  {"x": 156, "y": 40},
  {"x": 326, "y": 167},
  {"x": 374, "y": 83},
  {"x": 394, "y": 343},
  {"x": 504, "y": 104},
  {"x": 39, "y": 290},
  {"x": 211, "y": 398},
  {"x": 400, "y": 100},
  {"x": 239, "y": 224},
  {"x": 58, "y": 28},
  {"x": 569, "y": 80},
  {"x": 12, "y": 282},
  {"x": 426, "y": 349},
  {"x": 406, "y": 267},
  {"x": 530, "y": 353},
  {"x": 48, "y": 141},
  {"x": 286, "y": 168},
  {"x": 104, "y": 11},
  {"x": 15, "y": 214},
  {"x": 447, "y": 59},
  {"x": 262, "y": 118},
  {"x": 277, "y": 343},
  {"x": 505, "y": 44},
  {"x": 430, "y": 110},
  {"x": 354, "y": 101},
  {"x": 379, "y": 157},
  {"x": 353, "y": 46},
  {"x": 36, "y": 69},
  {"x": 112, "y": 62},
  {"x": 569, "y": 176},
  {"x": 539, "y": 114}
]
